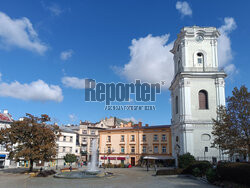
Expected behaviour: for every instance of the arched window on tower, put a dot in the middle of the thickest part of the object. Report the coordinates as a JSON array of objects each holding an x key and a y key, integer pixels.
[
  {"x": 203, "y": 99},
  {"x": 200, "y": 58},
  {"x": 176, "y": 105}
]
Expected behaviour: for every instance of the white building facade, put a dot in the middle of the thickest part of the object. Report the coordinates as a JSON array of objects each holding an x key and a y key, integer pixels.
[
  {"x": 197, "y": 90},
  {"x": 5, "y": 121},
  {"x": 66, "y": 143}
]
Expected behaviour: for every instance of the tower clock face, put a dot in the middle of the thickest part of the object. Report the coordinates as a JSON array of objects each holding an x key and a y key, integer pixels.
[{"x": 199, "y": 38}]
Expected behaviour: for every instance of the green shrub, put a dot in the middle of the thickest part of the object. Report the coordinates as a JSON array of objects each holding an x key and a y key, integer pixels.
[
  {"x": 168, "y": 171},
  {"x": 235, "y": 172},
  {"x": 203, "y": 166},
  {"x": 196, "y": 172},
  {"x": 185, "y": 160},
  {"x": 211, "y": 175}
]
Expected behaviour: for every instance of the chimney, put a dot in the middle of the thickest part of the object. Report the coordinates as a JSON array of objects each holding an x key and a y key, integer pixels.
[
  {"x": 140, "y": 124},
  {"x": 146, "y": 125},
  {"x": 5, "y": 111}
]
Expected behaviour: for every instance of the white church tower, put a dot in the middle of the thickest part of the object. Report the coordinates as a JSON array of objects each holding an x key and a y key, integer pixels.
[{"x": 197, "y": 89}]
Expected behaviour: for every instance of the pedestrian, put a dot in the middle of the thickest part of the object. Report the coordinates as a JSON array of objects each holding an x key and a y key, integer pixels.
[
  {"x": 155, "y": 167},
  {"x": 70, "y": 168}
]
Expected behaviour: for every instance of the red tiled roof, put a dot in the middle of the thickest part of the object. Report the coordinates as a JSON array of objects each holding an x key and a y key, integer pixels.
[{"x": 5, "y": 117}]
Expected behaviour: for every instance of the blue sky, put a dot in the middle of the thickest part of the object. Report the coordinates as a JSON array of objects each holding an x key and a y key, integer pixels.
[{"x": 47, "y": 48}]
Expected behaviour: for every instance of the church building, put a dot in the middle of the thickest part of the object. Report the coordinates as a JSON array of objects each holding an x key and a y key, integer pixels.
[{"x": 197, "y": 89}]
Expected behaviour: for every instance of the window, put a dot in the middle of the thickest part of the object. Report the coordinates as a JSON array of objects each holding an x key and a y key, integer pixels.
[
  {"x": 133, "y": 149},
  {"x": 122, "y": 138},
  {"x": 143, "y": 137},
  {"x": 176, "y": 105},
  {"x": 84, "y": 131},
  {"x": 132, "y": 138},
  {"x": 93, "y": 132},
  {"x": 155, "y": 149},
  {"x": 109, "y": 149},
  {"x": 155, "y": 137},
  {"x": 200, "y": 58},
  {"x": 70, "y": 149},
  {"x": 83, "y": 139},
  {"x": 163, "y": 149},
  {"x": 71, "y": 139},
  {"x": 205, "y": 137},
  {"x": 163, "y": 137},
  {"x": 2, "y": 148},
  {"x": 144, "y": 149},
  {"x": 109, "y": 138},
  {"x": 203, "y": 99},
  {"x": 122, "y": 149},
  {"x": 64, "y": 138},
  {"x": 64, "y": 149}
]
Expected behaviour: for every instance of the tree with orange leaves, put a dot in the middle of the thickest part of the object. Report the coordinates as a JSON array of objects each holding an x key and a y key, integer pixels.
[{"x": 31, "y": 139}]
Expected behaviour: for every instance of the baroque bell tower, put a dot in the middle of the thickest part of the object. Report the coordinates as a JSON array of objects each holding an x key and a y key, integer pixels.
[{"x": 197, "y": 89}]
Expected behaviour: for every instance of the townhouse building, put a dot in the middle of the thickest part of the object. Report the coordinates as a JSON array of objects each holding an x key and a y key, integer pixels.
[
  {"x": 129, "y": 144},
  {"x": 66, "y": 143}
]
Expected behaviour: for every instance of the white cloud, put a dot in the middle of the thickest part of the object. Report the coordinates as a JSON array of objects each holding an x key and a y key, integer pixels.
[
  {"x": 183, "y": 8},
  {"x": 72, "y": 117},
  {"x": 74, "y": 82},
  {"x": 150, "y": 60},
  {"x": 130, "y": 119},
  {"x": 225, "y": 54},
  {"x": 65, "y": 55},
  {"x": 54, "y": 8},
  {"x": 19, "y": 33},
  {"x": 36, "y": 91}
]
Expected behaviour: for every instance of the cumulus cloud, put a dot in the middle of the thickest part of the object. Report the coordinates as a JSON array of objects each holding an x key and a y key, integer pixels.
[
  {"x": 225, "y": 54},
  {"x": 183, "y": 8},
  {"x": 65, "y": 55},
  {"x": 36, "y": 91},
  {"x": 150, "y": 60},
  {"x": 19, "y": 33},
  {"x": 74, "y": 82}
]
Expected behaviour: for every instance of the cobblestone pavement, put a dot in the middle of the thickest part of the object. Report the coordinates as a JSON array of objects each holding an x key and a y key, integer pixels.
[{"x": 123, "y": 178}]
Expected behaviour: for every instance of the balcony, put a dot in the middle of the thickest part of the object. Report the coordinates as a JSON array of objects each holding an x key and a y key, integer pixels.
[{"x": 84, "y": 153}]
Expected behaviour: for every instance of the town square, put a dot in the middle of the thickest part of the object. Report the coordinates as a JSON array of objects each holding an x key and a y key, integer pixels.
[{"x": 124, "y": 94}]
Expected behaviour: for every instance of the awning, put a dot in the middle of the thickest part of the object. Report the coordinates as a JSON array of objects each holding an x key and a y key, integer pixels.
[
  {"x": 158, "y": 157},
  {"x": 2, "y": 155}
]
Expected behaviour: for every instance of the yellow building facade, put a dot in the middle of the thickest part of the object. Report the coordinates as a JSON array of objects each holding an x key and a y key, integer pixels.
[{"x": 131, "y": 143}]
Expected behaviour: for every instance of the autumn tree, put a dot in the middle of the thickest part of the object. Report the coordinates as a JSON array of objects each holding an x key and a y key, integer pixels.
[
  {"x": 232, "y": 126},
  {"x": 31, "y": 139}
]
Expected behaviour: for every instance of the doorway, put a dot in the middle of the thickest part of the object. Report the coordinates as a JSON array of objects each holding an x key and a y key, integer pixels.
[{"x": 133, "y": 161}]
